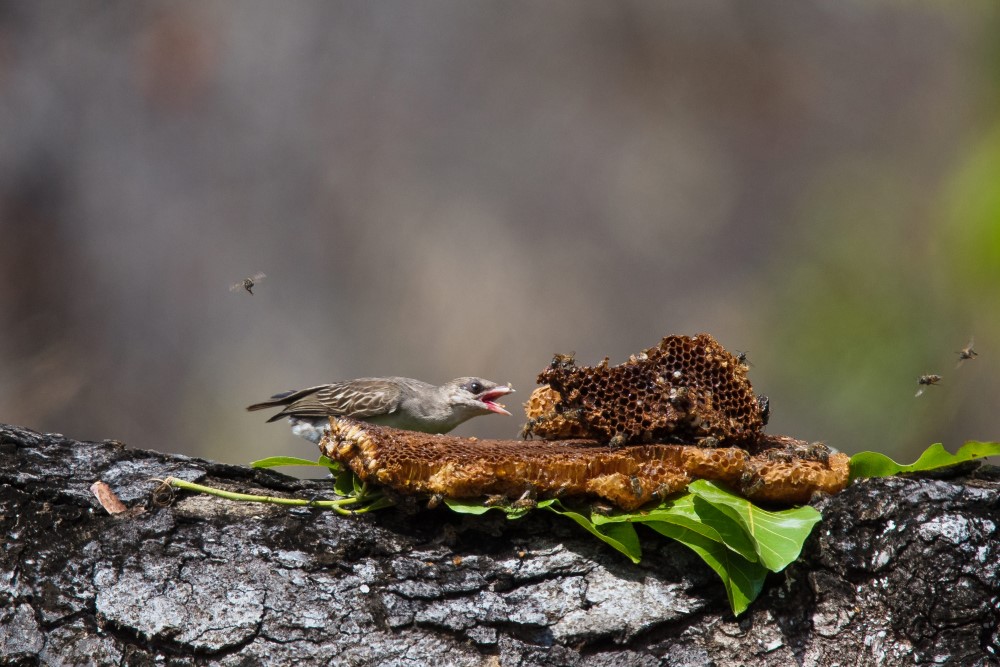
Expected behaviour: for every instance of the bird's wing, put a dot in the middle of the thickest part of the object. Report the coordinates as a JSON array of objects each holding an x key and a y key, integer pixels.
[{"x": 357, "y": 398}]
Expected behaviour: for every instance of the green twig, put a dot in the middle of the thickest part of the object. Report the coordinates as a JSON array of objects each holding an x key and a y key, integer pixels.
[{"x": 340, "y": 506}]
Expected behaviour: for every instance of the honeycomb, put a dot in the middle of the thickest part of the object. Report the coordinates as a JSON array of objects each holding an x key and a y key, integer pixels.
[
  {"x": 796, "y": 464},
  {"x": 628, "y": 477},
  {"x": 686, "y": 390}
]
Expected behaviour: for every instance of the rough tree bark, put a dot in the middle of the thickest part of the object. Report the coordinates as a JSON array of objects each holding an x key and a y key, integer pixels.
[{"x": 900, "y": 570}]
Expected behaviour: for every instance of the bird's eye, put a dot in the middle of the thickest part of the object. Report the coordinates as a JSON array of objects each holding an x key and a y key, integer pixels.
[{"x": 475, "y": 387}]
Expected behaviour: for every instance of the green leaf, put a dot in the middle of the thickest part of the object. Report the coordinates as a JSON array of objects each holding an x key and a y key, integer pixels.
[
  {"x": 344, "y": 483},
  {"x": 334, "y": 466},
  {"x": 463, "y": 506},
  {"x": 873, "y": 464},
  {"x": 742, "y": 578},
  {"x": 730, "y": 530},
  {"x": 380, "y": 503},
  {"x": 690, "y": 512},
  {"x": 717, "y": 538},
  {"x": 621, "y": 536},
  {"x": 275, "y": 461},
  {"x": 738, "y": 540},
  {"x": 777, "y": 537},
  {"x": 476, "y": 506}
]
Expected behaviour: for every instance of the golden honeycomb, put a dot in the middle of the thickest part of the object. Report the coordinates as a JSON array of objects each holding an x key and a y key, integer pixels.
[
  {"x": 628, "y": 477},
  {"x": 686, "y": 389}
]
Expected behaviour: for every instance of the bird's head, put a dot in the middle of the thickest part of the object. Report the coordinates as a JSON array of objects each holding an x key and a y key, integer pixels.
[{"x": 476, "y": 396}]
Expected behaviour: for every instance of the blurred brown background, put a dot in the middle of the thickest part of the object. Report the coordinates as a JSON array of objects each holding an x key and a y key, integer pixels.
[{"x": 450, "y": 188}]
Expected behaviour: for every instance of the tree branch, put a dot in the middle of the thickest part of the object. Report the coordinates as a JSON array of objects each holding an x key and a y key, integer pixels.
[{"x": 900, "y": 570}]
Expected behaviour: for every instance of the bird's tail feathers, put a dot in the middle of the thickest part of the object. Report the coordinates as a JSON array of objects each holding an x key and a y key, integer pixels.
[{"x": 281, "y": 400}]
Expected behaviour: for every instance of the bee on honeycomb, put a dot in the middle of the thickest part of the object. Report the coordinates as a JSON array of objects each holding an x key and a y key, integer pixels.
[{"x": 686, "y": 389}]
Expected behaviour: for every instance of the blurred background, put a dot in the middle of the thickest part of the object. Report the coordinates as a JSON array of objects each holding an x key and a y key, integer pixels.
[{"x": 446, "y": 188}]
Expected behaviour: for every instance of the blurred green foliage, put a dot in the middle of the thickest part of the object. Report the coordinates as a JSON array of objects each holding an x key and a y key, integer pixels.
[{"x": 885, "y": 292}]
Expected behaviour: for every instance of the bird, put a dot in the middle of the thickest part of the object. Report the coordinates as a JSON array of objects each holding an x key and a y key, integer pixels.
[{"x": 398, "y": 402}]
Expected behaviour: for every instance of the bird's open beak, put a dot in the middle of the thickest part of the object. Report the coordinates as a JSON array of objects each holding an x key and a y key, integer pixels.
[{"x": 488, "y": 397}]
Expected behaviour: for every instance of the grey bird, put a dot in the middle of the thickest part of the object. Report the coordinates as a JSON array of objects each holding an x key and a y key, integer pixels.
[{"x": 393, "y": 401}]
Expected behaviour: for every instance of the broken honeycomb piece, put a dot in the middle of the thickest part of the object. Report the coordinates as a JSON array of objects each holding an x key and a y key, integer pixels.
[
  {"x": 795, "y": 462},
  {"x": 686, "y": 389},
  {"x": 798, "y": 480},
  {"x": 628, "y": 477},
  {"x": 546, "y": 422}
]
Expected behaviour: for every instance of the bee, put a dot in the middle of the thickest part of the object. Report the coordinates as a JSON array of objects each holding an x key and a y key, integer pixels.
[
  {"x": 926, "y": 381},
  {"x": 564, "y": 361},
  {"x": 601, "y": 509},
  {"x": 751, "y": 483},
  {"x": 765, "y": 408},
  {"x": 618, "y": 440},
  {"x": 527, "y": 501},
  {"x": 248, "y": 283},
  {"x": 741, "y": 359},
  {"x": 662, "y": 491},
  {"x": 528, "y": 430},
  {"x": 782, "y": 455},
  {"x": 966, "y": 353},
  {"x": 678, "y": 394},
  {"x": 816, "y": 451}
]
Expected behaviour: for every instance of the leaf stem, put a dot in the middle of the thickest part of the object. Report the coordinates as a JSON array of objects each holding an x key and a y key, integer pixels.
[{"x": 340, "y": 506}]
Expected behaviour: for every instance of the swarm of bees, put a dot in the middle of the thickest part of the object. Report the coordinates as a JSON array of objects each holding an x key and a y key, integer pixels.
[
  {"x": 965, "y": 354},
  {"x": 248, "y": 283}
]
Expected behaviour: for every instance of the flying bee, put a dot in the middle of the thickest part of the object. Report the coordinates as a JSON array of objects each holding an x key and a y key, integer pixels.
[
  {"x": 966, "y": 353},
  {"x": 741, "y": 359},
  {"x": 248, "y": 283},
  {"x": 926, "y": 381}
]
